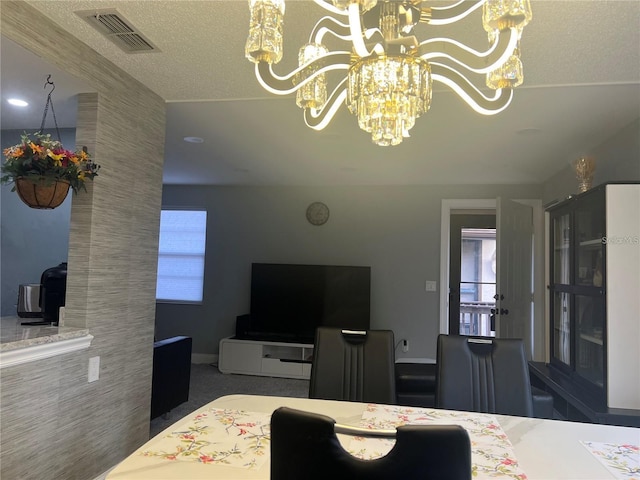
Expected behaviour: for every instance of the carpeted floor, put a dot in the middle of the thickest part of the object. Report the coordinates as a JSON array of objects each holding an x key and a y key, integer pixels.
[{"x": 207, "y": 384}]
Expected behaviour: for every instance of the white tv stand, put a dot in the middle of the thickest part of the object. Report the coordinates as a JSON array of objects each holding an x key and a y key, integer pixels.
[{"x": 269, "y": 359}]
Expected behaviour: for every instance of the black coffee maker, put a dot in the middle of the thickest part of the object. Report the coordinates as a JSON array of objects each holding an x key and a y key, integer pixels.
[{"x": 53, "y": 291}]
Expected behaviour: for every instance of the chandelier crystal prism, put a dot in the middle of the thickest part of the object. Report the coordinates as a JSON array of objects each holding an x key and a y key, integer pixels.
[{"x": 387, "y": 73}]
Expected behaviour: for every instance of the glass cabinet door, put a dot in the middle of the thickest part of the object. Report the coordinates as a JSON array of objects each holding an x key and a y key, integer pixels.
[
  {"x": 561, "y": 251},
  {"x": 562, "y": 327},
  {"x": 589, "y": 324},
  {"x": 589, "y": 225}
]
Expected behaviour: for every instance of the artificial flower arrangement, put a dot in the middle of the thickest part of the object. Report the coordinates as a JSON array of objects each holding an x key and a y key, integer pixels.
[{"x": 39, "y": 158}]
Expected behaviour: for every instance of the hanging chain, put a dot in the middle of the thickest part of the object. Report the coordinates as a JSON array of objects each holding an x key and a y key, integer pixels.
[{"x": 46, "y": 108}]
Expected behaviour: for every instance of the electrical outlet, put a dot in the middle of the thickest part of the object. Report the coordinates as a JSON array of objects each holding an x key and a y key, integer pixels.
[
  {"x": 94, "y": 369},
  {"x": 405, "y": 346}
]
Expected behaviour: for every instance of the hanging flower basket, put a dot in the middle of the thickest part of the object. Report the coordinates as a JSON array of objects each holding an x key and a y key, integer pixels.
[
  {"x": 42, "y": 170},
  {"x": 42, "y": 194}
]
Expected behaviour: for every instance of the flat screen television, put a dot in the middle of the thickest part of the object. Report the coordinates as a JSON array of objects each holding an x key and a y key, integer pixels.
[{"x": 288, "y": 302}]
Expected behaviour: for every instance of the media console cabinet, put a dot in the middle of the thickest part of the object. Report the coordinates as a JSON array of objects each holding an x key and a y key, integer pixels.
[{"x": 269, "y": 359}]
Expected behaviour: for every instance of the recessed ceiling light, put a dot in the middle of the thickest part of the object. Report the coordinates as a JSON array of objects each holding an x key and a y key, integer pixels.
[
  {"x": 193, "y": 139},
  {"x": 17, "y": 102}
]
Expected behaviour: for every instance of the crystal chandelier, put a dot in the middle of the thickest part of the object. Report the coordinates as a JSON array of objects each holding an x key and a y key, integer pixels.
[{"x": 387, "y": 72}]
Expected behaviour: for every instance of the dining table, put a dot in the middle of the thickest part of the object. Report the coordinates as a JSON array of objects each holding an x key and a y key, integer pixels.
[{"x": 229, "y": 438}]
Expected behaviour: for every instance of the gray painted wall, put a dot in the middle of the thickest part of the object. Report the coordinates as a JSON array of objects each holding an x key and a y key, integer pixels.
[
  {"x": 31, "y": 240},
  {"x": 53, "y": 423},
  {"x": 395, "y": 230},
  {"x": 617, "y": 159}
]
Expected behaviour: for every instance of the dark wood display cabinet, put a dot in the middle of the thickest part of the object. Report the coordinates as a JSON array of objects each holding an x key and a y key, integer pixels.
[{"x": 594, "y": 306}]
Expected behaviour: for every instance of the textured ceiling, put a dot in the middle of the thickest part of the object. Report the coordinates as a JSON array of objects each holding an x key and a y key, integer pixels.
[{"x": 582, "y": 85}]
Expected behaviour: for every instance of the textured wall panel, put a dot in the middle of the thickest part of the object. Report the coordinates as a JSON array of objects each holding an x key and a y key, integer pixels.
[{"x": 54, "y": 424}]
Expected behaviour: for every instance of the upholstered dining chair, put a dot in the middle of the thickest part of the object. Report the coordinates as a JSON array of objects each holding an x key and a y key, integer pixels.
[
  {"x": 351, "y": 365},
  {"x": 305, "y": 445},
  {"x": 482, "y": 374}
]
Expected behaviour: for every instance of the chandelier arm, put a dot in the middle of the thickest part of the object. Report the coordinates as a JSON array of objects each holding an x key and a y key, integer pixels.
[
  {"x": 301, "y": 75},
  {"x": 330, "y": 7},
  {"x": 469, "y": 93},
  {"x": 319, "y": 35},
  {"x": 473, "y": 60},
  {"x": 449, "y": 14},
  {"x": 319, "y": 30},
  {"x": 318, "y": 119},
  {"x": 357, "y": 34},
  {"x": 343, "y": 31}
]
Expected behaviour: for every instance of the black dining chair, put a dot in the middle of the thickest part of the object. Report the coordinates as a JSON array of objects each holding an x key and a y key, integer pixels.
[
  {"x": 351, "y": 365},
  {"x": 305, "y": 445},
  {"x": 482, "y": 374}
]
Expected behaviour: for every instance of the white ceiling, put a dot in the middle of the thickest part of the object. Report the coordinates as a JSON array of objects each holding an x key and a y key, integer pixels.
[{"x": 582, "y": 85}]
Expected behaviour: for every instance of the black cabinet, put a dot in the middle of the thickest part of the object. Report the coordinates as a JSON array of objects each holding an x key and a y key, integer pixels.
[
  {"x": 577, "y": 290},
  {"x": 593, "y": 293}
]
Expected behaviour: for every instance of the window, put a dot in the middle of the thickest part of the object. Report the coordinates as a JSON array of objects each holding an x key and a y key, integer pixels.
[{"x": 183, "y": 236}]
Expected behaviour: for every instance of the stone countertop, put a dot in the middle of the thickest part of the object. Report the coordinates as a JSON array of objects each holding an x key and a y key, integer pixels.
[{"x": 14, "y": 336}]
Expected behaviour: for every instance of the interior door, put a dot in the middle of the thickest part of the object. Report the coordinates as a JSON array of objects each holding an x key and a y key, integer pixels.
[
  {"x": 514, "y": 246},
  {"x": 472, "y": 273}
]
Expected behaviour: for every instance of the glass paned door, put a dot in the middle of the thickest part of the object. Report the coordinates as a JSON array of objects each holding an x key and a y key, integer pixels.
[
  {"x": 477, "y": 281},
  {"x": 472, "y": 274}
]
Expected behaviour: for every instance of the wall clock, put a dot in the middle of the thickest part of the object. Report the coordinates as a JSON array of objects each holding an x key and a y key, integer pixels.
[{"x": 317, "y": 213}]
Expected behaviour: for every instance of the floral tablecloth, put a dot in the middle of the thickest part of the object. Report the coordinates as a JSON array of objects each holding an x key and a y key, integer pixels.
[
  {"x": 623, "y": 461},
  {"x": 492, "y": 454},
  {"x": 241, "y": 439}
]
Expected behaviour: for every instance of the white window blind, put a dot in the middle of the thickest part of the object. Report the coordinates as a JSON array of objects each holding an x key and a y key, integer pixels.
[{"x": 183, "y": 236}]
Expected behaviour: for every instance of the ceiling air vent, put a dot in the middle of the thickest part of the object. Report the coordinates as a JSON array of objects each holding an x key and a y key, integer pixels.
[{"x": 120, "y": 31}]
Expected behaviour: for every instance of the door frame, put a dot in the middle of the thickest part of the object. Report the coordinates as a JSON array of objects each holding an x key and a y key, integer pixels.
[{"x": 539, "y": 323}]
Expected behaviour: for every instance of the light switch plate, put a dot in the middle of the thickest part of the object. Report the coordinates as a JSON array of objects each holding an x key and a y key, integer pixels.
[
  {"x": 431, "y": 286},
  {"x": 94, "y": 369}
]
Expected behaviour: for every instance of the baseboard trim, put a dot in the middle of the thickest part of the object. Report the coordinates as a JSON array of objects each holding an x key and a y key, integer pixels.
[{"x": 204, "y": 358}]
